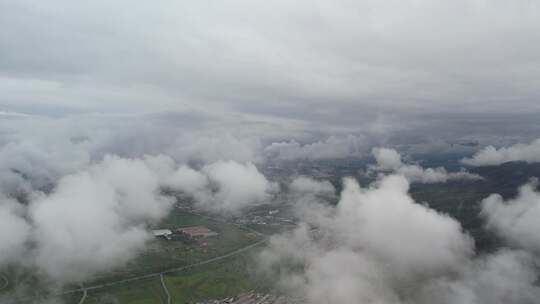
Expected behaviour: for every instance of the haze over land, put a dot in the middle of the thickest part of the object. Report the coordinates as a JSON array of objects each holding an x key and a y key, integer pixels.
[{"x": 115, "y": 115}]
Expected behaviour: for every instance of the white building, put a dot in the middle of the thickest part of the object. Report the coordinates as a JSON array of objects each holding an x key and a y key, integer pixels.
[{"x": 162, "y": 233}]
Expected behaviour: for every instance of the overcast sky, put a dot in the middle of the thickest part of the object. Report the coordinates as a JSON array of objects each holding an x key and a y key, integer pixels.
[{"x": 329, "y": 64}]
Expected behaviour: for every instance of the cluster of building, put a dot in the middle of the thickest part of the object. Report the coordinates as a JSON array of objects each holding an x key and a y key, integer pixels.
[
  {"x": 253, "y": 298},
  {"x": 264, "y": 218},
  {"x": 192, "y": 233}
]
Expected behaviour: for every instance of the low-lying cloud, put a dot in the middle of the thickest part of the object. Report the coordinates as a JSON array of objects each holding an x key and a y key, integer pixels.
[
  {"x": 490, "y": 155},
  {"x": 379, "y": 246},
  {"x": 14, "y": 230},
  {"x": 304, "y": 184},
  {"x": 92, "y": 221},
  {"x": 98, "y": 218},
  {"x": 390, "y": 160},
  {"x": 224, "y": 187},
  {"x": 334, "y": 147},
  {"x": 516, "y": 219}
]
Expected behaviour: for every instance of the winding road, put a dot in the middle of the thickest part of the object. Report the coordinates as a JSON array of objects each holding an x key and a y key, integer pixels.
[
  {"x": 165, "y": 289},
  {"x": 171, "y": 270},
  {"x": 85, "y": 294},
  {"x": 160, "y": 274}
]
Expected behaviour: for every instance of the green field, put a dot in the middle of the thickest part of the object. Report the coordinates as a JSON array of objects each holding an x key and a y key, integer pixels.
[
  {"x": 221, "y": 279},
  {"x": 226, "y": 278},
  {"x": 217, "y": 279},
  {"x": 147, "y": 291},
  {"x": 163, "y": 254}
]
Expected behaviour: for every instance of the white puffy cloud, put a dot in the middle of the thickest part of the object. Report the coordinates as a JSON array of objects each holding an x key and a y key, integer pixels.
[
  {"x": 379, "y": 246},
  {"x": 507, "y": 276},
  {"x": 516, "y": 220},
  {"x": 224, "y": 187},
  {"x": 208, "y": 149},
  {"x": 188, "y": 180},
  {"x": 30, "y": 161},
  {"x": 387, "y": 159},
  {"x": 305, "y": 184},
  {"x": 333, "y": 147},
  {"x": 238, "y": 185},
  {"x": 95, "y": 220},
  {"x": 390, "y": 160},
  {"x": 14, "y": 231},
  {"x": 91, "y": 221},
  {"x": 308, "y": 196},
  {"x": 36, "y": 151},
  {"x": 379, "y": 213},
  {"x": 416, "y": 173},
  {"x": 372, "y": 244},
  {"x": 492, "y": 156},
  {"x": 92, "y": 211}
]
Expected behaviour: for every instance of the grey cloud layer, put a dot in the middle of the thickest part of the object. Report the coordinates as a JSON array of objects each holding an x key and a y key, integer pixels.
[
  {"x": 308, "y": 60},
  {"x": 333, "y": 147}
]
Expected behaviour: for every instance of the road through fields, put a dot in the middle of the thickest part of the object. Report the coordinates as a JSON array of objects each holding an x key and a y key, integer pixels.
[
  {"x": 171, "y": 270},
  {"x": 160, "y": 274},
  {"x": 165, "y": 289}
]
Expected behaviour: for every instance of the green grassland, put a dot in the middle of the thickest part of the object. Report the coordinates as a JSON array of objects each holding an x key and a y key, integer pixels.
[
  {"x": 221, "y": 279},
  {"x": 65, "y": 299},
  {"x": 164, "y": 254},
  {"x": 147, "y": 291},
  {"x": 217, "y": 278}
]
